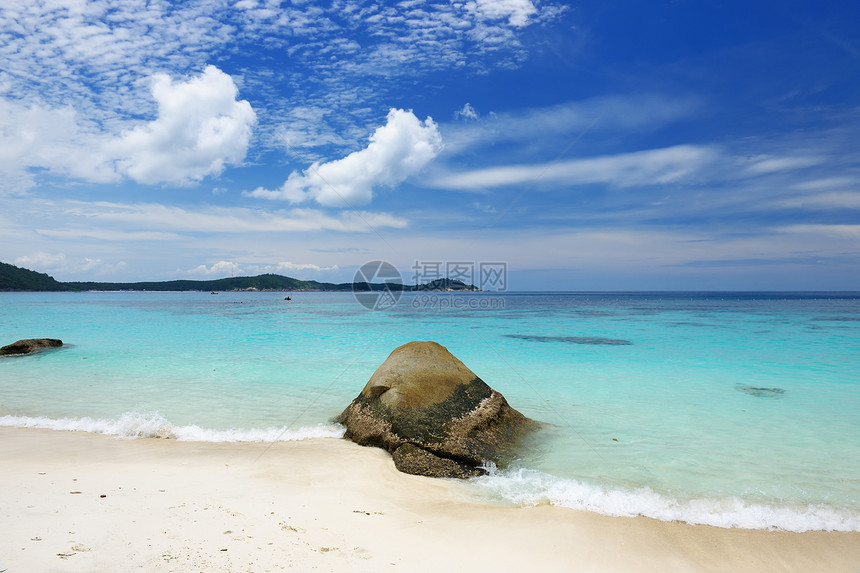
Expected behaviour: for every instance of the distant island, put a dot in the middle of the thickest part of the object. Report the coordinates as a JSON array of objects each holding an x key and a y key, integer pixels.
[{"x": 14, "y": 278}]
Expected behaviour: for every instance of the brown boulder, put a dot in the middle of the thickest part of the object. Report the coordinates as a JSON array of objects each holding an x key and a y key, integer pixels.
[
  {"x": 434, "y": 415},
  {"x": 29, "y": 345}
]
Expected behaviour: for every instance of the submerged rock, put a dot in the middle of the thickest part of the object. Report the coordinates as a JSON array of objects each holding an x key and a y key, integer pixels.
[
  {"x": 434, "y": 415},
  {"x": 760, "y": 392},
  {"x": 571, "y": 339},
  {"x": 29, "y": 345}
]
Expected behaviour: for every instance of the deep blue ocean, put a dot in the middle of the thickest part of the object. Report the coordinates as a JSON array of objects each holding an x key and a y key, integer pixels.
[{"x": 729, "y": 409}]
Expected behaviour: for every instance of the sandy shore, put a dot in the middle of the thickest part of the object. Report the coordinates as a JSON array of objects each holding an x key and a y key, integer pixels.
[{"x": 83, "y": 502}]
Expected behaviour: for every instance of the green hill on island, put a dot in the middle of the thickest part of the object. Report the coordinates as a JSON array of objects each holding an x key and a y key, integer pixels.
[{"x": 14, "y": 278}]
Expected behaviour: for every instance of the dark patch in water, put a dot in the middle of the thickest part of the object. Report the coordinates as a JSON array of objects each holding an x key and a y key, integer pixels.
[
  {"x": 837, "y": 319},
  {"x": 572, "y": 339},
  {"x": 759, "y": 391}
]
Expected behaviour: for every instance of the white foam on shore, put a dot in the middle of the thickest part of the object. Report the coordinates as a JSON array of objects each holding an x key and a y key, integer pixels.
[
  {"x": 132, "y": 425},
  {"x": 529, "y": 488},
  {"x": 522, "y": 487}
]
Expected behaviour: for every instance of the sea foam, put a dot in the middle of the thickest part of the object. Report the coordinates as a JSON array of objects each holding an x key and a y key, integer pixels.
[
  {"x": 133, "y": 425},
  {"x": 525, "y": 487}
]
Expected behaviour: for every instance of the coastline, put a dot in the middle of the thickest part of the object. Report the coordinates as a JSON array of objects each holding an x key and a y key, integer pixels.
[{"x": 328, "y": 504}]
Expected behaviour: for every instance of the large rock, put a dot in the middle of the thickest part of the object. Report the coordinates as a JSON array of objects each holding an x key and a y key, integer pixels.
[
  {"x": 29, "y": 345},
  {"x": 434, "y": 415}
]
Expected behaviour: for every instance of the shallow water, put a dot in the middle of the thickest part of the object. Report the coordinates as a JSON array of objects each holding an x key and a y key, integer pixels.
[{"x": 728, "y": 409}]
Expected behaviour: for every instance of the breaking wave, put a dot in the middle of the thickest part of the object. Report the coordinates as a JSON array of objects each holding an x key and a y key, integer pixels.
[
  {"x": 132, "y": 425},
  {"x": 528, "y": 488}
]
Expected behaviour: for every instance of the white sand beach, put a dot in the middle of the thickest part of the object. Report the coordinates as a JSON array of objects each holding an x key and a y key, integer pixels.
[{"x": 72, "y": 501}]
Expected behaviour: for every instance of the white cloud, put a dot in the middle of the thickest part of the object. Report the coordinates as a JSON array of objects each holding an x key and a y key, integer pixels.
[
  {"x": 219, "y": 268},
  {"x": 831, "y": 200},
  {"x": 652, "y": 167},
  {"x": 231, "y": 268},
  {"x": 88, "y": 53},
  {"x": 107, "y": 235},
  {"x": 467, "y": 113},
  {"x": 397, "y": 150},
  {"x": 828, "y": 183},
  {"x": 851, "y": 232},
  {"x": 147, "y": 217},
  {"x": 200, "y": 128},
  {"x": 100, "y": 267},
  {"x": 42, "y": 261},
  {"x": 557, "y": 125},
  {"x": 94, "y": 57},
  {"x": 288, "y": 266},
  {"x": 763, "y": 165},
  {"x": 36, "y": 137},
  {"x": 58, "y": 262},
  {"x": 517, "y": 12}
]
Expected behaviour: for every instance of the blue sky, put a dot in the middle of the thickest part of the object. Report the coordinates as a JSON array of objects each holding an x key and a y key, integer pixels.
[{"x": 590, "y": 145}]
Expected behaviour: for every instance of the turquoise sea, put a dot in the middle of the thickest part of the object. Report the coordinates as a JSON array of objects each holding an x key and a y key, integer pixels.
[{"x": 729, "y": 409}]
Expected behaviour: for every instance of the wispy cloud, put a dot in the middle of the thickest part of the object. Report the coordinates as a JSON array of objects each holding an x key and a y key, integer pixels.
[
  {"x": 59, "y": 262},
  {"x": 112, "y": 235},
  {"x": 851, "y": 232},
  {"x": 767, "y": 164},
  {"x": 831, "y": 200},
  {"x": 607, "y": 114},
  {"x": 652, "y": 167},
  {"x": 225, "y": 219},
  {"x": 232, "y": 268}
]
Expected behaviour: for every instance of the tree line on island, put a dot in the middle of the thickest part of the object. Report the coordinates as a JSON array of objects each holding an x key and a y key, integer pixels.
[{"x": 14, "y": 278}]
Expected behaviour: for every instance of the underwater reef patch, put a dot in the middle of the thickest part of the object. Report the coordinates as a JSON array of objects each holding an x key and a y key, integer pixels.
[
  {"x": 759, "y": 391},
  {"x": 571, "y": 339}
]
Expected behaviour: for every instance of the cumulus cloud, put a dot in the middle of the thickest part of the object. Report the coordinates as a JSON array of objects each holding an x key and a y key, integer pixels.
[
  {"x": 397, "y": 150},
  {"x": 200, "y": 128}
]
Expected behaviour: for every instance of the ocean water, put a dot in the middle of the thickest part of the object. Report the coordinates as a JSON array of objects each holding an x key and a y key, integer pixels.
[{"x": 734, "y": 410}]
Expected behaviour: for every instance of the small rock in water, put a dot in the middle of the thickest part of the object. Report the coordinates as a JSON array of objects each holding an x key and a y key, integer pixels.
[
  {"x": 759, "y": 391},
  {"x": 29, "y": 345}
]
